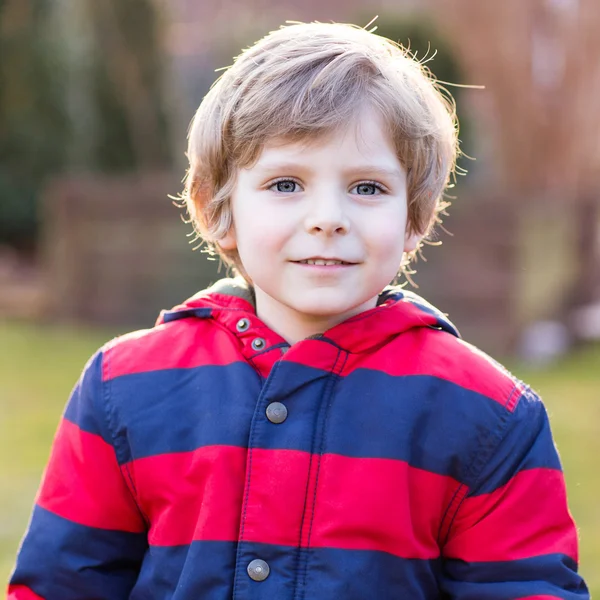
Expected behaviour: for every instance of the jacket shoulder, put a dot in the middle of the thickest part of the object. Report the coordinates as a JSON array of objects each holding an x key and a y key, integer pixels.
[
  {"x": 176, "y": 344},
  {"x": 467, "y": 366}
]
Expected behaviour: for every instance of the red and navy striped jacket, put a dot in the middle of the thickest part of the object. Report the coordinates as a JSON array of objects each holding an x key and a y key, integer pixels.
[{"x": 384, "y": 459}]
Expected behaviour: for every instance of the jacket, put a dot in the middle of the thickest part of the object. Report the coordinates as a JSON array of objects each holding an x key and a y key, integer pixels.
[{"x": 207, "y": 459}]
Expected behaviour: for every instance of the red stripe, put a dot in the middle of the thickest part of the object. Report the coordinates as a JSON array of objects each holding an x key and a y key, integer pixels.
[
  {"x": 430, "y": 352},
  {"x": 182, "y": 344},
  {"x": 83, "y": 483},
  {"x": 527, "y": 517},
  {"x": 21, "y": 592},
  {"x": 371, "y": 504},
  {"x": 192, "y": 495},
  {"x": 379, "y": 504},
  {"x": 276, "y": 496}
]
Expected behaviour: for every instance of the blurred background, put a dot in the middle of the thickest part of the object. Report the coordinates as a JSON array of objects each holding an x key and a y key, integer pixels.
[{"x": 95, "y": 100}]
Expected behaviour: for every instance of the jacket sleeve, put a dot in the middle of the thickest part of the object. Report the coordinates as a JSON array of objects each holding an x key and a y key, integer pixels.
[
  {"x": 512, "y": 536},
  {"x": 86, "y": 537}
]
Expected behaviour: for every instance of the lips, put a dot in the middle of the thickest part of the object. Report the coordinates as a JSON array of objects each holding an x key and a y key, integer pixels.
[{"x": 324, "y": 262}]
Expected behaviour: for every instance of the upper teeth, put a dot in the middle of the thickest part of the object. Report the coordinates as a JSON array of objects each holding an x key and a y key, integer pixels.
[{"x": 319, "y": 261}]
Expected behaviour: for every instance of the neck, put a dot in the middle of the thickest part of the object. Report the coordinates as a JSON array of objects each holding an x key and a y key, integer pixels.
[{"x": 293, "y": 325}]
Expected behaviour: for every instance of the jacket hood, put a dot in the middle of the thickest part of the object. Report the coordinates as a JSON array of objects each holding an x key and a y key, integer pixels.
[{"x": 397, "y": 311}]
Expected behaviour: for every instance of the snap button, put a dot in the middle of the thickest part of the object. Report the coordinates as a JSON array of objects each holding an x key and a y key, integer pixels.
[
  {"x": 242, "y": 325},
  {"x": 258, "y": 570},
  {"x": 277, "y": 412},
  {"x": 258, "y": 343}
]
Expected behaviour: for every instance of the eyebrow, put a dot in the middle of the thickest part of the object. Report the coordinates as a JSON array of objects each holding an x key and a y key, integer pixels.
[
  {"x": 370, "y": 169},
  {"x": 391, "y": 172}
]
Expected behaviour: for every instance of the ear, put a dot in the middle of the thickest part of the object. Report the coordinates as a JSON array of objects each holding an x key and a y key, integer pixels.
[
  {"x": 411, "y": 241},
  {"x": 228, "y": 242}
]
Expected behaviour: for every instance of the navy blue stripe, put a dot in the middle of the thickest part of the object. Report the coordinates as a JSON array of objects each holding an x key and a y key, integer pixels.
[
  {"x": 61, "y": 560},
  {"x": 552, "y": 574},
  {"x": 428, "y": 422},
  {"x": 431, "y": 423},
  {"x": 201, "y": 570},
  {"x": 185, "y": 313},
  {"x": 179, "y": 410},
  {"x": 206, "y": 570},
  {"x": 527, "y": 444},
  {"x": 86, "y": 407},
  {"x": 360, "y": 574}
]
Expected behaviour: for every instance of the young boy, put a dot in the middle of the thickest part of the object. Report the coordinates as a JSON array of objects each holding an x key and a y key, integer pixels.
[{"x": 304, "y": 432}]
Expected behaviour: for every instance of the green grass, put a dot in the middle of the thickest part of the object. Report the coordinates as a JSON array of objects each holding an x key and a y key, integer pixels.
[
  {"x": 40, "y": 364},
  {"x": 38, "y": 368}
]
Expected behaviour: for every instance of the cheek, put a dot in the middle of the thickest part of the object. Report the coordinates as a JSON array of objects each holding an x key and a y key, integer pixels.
[
  {"x": 258, "y": 235},
  {"x": 386, "y": 237}
]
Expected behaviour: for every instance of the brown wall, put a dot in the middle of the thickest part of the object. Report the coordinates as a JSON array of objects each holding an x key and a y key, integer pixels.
[{"x": 116, "y": 250}]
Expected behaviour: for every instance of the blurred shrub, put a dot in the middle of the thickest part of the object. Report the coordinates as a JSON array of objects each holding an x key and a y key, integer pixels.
[
  {"x": 97, "y": 105},
  {"x": 129, "y": 109},
  {"x": 33, "y": 123}
]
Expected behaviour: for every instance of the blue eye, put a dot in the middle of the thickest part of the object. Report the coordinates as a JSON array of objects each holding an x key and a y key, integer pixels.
[
  {"x": 285, "y": 186},
  {"x": 367, "y": 189}
]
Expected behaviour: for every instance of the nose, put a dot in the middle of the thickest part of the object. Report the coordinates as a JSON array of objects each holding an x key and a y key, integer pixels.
[{"x": 326, "y": 214}]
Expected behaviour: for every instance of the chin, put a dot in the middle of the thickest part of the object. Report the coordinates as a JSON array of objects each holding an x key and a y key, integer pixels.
[{"x": 331, "y": 309}]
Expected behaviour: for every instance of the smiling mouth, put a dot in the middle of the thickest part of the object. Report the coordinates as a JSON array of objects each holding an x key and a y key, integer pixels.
[{"x": 322, "y": 262}]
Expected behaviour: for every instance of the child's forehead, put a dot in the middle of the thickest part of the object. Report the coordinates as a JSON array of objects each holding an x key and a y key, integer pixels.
[
  {"x": 348, "y": 150},
  {"x": 367, "y": 128}
]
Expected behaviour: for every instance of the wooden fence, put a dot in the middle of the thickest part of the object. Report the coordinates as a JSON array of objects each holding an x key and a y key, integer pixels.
[{"x": 115, "y": 250}]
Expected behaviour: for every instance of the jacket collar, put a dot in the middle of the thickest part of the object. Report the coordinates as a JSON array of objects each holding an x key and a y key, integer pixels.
[{"x": 229, "y": 301}]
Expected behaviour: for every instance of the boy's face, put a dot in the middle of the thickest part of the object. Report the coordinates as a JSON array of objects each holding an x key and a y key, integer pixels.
[{"x": 339, "y": 198}]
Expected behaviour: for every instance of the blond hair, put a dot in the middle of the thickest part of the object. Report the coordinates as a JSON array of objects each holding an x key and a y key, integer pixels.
[{"x": 306, "y": 80}]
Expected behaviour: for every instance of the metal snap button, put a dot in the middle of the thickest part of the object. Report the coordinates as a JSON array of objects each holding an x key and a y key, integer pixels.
[
  {"x": 258, "y": 570},
  {"x": 258, "y": 343},
  {"x": 277, "y": 412},
  {"x": 242, "y": 325}
]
